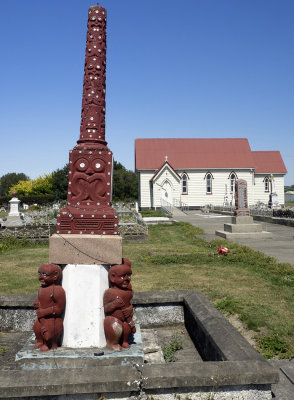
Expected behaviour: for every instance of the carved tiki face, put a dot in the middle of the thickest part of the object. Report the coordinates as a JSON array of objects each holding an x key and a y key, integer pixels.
[
  {"x": 49, "y": 274},
  {"x": 90, "y": 177},
  {"x": 120, "y": 276}
]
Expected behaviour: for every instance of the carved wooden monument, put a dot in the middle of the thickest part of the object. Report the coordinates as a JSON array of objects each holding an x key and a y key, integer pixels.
[
  {"x": 88, "y": 209},
  {"x": 86, "y": 239}
]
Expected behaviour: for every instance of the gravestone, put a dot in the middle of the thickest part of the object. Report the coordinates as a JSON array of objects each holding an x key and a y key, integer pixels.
[
  {"x": 242, "y": 226},
  {"x": 241, "y": 199},
  {"x": 14, "y": 217}
]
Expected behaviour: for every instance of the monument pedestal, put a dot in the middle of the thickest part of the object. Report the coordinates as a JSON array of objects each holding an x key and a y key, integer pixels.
[
  {"x": 85, "y": 278},
  {"x": 85, "y": 249},
  {"x": 243, "y": 227},
  {"x": 67, "y": 358}
]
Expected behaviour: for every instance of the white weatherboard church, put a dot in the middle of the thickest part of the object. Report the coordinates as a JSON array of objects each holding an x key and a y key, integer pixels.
[{"x": 200, "y": 172}]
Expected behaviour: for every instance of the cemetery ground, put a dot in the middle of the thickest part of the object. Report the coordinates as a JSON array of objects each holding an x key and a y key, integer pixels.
[{"x": 253, "y": 290}]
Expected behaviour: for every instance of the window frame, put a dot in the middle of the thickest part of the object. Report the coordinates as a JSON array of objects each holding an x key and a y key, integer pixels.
[
  {"x": 184, "y": 183},
  {"x": 208, "y": 176}
]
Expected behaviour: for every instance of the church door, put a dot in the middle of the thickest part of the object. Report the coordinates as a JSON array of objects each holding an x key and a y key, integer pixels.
[{"x": 166, "y": 192}]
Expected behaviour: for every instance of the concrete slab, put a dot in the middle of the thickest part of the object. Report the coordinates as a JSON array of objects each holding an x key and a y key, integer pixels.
[
  {"x": 157, "y": 220},
  {"x": 288, "y": 370},
  {"x": 30, "y": 359},
  {"x": 284, "y": 388},
  {"x": 243, "y": 228},
  {"x": 248, "y": 235},
  {"x": 85, "y": 249}
]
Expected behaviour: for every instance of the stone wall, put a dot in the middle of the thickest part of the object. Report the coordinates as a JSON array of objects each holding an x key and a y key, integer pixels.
[{"x": 30, "y": 232}]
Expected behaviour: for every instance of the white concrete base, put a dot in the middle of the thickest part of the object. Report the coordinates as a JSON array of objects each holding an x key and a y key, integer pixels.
[{"x": 84, "y": 286}]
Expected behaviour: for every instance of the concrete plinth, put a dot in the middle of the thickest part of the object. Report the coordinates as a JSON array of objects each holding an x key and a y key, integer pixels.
[
  {"x": 85, "y": 249},
  {"x": 13, "y": 221},
  {"x": 30, "y": 359},
  {"x": 243, "y": 227},
  {"x": 84, "y": 286},
  {"x": 248, "y": 235}
]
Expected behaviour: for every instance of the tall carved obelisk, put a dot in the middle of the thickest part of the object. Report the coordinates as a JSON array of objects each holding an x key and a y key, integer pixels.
[
  {"x": 86, "y": 239},
  {"x": 88, "y": 209}
]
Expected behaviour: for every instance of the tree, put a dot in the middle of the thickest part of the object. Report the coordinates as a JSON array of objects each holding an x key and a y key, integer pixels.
[
  {"x": 125, "y": 183},
  {"x": 39, "y": 186},
  {"x": 10, "y": 179},
  {"x": 60, "y": 183}
]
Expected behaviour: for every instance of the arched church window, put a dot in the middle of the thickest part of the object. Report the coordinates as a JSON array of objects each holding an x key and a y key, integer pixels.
[
  {"x": 208, "y": 183},
  {"x": 232, "y": 181},
  {"x": 266, "y": 184},
  {"x": 184, "y": 184}
]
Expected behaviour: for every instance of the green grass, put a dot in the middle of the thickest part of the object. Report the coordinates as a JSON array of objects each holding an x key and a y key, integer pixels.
[
  {"x": 154, "y": 213},
  {"x": 252, "y": 286},
  {"x": 289, "y": 203},
  {"x": 3, "y": 350},
  {"x": 169, "y": 351}
]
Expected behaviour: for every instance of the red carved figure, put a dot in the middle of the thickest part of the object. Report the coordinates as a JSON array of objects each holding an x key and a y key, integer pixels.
[
  {"x": 118, "y": 322},
  {"x": 89, "y": 208},
  {"x": 49, "y": 306}
]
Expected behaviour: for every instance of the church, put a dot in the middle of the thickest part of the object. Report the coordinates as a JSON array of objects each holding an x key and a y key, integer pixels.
[{"x": 200, "y": 172}]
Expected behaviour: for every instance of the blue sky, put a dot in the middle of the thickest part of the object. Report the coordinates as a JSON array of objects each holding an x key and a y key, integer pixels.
[{"x": 190, "y": 68}]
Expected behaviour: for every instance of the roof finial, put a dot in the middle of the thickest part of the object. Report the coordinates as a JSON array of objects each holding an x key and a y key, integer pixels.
[{"x": 166, "y": 157}]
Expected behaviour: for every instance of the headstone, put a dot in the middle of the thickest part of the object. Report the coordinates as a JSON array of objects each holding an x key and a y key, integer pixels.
[
  {"x": 14, "y": 218},
  {"x": 14, "y": 205},
  {"x": 273, "y": 198},
  {"x": 241, "y": 200}
]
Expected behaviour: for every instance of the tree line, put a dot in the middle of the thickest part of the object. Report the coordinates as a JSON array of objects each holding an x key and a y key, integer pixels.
[{"x": 53, "y": 187}]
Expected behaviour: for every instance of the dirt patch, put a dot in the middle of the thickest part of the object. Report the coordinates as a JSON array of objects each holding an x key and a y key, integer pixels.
[{"x": 246, "y": 333}]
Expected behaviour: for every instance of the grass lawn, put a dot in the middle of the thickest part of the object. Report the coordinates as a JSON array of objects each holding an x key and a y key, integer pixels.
[{"x": 245, "y": 283}]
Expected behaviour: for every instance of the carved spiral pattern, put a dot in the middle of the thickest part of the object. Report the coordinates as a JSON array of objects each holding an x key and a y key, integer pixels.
[{"x": 93, "y": 104}]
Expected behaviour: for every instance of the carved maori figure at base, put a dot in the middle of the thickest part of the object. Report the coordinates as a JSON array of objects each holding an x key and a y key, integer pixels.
[
  {"x": 49, "y": 306},
  {"x": 118, "y": 322}
]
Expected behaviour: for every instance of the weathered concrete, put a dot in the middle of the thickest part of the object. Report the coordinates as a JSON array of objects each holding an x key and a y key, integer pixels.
[
  {"x": 243, "y": 372},
  {"x": 85, "y": 249},
  {"x": 157, "y": 220},
  {"x": 243, "y": 226},
  {"x": 30, "y": 359}
]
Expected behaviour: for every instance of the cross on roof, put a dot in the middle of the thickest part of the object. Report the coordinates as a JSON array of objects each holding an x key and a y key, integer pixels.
[{"x": 166, "y": 157}]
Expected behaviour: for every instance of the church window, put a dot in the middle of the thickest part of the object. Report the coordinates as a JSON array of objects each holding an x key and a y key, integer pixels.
[
  {"x": 208, "y": 183},
  {"x": 208, "y": 179},
  {"x": 184, "y": 184},
  {"x": 232, "y": 180},
  {"x": 266, "y": 184}
]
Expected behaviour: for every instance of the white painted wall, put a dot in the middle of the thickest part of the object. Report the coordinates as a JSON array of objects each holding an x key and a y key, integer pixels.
[
  {"x": 261, "y": 195},
  {"x": 197, "y": 195},
  {"x": 144, "y": 187}
]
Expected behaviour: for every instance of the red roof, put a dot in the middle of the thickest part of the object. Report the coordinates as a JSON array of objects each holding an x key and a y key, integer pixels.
[
  {"x": 193, "y": 153},
  {"x": 233, "y": 153},
  {"x": 268, "y": 162}
]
